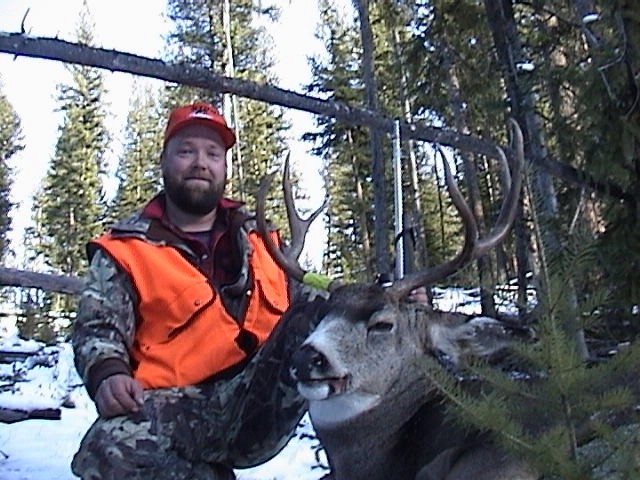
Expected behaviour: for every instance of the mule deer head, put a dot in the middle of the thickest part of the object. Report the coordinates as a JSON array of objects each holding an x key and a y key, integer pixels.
[{"x": 370, "y": 400}]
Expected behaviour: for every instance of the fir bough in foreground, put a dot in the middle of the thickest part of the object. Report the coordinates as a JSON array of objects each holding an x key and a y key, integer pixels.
[
  {"x": 571, "y": 418},
  {"x": 578, "y": 421}
]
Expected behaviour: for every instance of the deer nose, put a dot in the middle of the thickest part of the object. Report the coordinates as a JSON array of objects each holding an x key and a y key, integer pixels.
[{"x": 307, "y": 360}]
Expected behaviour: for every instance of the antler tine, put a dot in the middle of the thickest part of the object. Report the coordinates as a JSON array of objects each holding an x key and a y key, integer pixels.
[
  {"x": 299, "y": 227},
  {"x": 473, "y": 246},
  {"x": 509, "y": 206},
  {"x": 292, "y": 268}
]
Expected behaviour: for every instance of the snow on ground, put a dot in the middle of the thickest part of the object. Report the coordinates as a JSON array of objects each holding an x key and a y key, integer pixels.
[{"x": 42, "y": 449}]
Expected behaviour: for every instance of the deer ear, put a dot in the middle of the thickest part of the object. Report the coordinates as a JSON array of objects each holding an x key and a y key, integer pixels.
[{"x": 480, "y": 337}]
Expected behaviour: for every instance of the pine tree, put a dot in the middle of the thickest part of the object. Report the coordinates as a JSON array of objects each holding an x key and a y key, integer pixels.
[
  {"x": 573, "y": 420},
  {"x": 393, "y": 20},
  {"x": 609, "y": 115},
  {"x": 433, "y": 216},
  {"x": 71, "y": 196},
  {"x": 347, "y": 170},
  {"x": 138, "y": 170},
  {"x": 199, "y": 38},
  {"x": 577, "y": 95},
  {"x": 346, "y": 150},
  {"x": 69, "y": 206},
  {"x": 10, "y": 145}
]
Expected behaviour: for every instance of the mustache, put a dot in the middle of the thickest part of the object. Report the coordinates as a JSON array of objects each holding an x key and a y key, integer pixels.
[{"x": 200, "y": 175}]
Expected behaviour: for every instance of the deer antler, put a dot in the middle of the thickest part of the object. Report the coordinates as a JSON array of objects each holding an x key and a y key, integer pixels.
[
  {"x": 298, "y": 228},
  {"x": 474, "y": 247}
]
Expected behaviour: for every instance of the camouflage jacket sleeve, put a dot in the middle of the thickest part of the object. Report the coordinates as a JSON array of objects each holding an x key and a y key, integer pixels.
[{"x": 104, "y": 328}]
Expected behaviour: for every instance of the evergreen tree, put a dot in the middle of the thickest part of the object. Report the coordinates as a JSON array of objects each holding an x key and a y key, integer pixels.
[
  {"x": 69, "y": 206},
  {"x": 378, "y": 164},
  {"x": 394, "y": 23},
  {"x": 441, "y": 223},
  {"x": 574, "y": 97},
  {"x": 447, "y": 60},
  {"x": 347, "y": 170},
  {"x": 199, "y": 38},
  {"x": 10, "y": 145},
  {"x": 138, "y": 171},
  {"x": 572, "y": 419},
  {"x": 346, "y": 151},
  {"x": 574, "y": 74},
  {"x": 606, "y": 119},
  {"x": 425, "y": 198}
]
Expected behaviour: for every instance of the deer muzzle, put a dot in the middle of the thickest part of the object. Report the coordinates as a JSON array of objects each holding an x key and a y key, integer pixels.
[{"x": 315, "y": 376}]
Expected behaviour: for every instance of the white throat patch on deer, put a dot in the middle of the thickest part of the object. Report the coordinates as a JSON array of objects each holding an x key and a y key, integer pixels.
[
  {"x": 360, "y": 353},
  {"x": 376, "y": 412}
]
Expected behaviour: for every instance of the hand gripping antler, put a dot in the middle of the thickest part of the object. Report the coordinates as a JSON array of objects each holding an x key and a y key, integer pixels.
[
  {"x": 474, "y": 247},
  {"x": 298, "y": 228}
]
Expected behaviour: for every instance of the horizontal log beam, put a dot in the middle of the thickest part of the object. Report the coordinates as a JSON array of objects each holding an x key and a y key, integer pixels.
[
  {"x": 11, "y": 277},
  {"x": 20, "y": 44},
  {"x": 116, "y": 61}
]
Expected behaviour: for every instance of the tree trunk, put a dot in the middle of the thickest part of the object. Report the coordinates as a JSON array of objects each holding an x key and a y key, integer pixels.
[
  {"x": 12, "y": 277},
  {"x": 505, "y": 35},
  {"x": 361, "y": 213},
  {"x": 377, "y": 160},
  {"x": 230, "y": 106},
  {"x": 416, "y": 248}
]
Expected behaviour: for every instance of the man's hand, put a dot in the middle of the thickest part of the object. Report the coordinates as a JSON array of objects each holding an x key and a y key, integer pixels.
[{"x": 117, "y": 395}]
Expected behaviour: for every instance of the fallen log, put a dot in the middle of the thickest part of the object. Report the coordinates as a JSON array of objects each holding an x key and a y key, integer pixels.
[
  {"x": 20, "y": 44},
  {"x": 9, "y": 415},
  {"x": 50, "y": 282}
]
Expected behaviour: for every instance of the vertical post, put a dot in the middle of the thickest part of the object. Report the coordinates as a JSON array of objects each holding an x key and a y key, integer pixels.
[
  {"x": 397, "y": 197},
  {"x": 227, "y": 99},
  {"x": 230, "y": 108}
]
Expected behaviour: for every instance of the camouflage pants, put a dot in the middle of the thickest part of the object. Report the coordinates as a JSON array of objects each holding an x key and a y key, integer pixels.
[{"x": 203, "y": 431}]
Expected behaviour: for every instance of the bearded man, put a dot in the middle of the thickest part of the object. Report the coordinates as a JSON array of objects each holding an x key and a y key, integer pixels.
[{"x": 179, "y": 337}]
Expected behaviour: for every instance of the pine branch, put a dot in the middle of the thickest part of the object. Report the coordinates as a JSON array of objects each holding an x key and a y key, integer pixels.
[{"x": 470, "y": 408}]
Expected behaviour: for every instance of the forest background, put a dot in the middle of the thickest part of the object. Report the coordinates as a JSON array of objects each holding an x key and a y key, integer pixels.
[{"x": 568, "y": 72}]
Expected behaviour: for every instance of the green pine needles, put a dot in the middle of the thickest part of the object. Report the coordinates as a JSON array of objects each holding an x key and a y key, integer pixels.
[{"x": 571, "y": 417}]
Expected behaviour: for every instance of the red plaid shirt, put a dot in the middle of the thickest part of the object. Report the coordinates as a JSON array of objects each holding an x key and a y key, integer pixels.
[{"x": 219, "y": 259}]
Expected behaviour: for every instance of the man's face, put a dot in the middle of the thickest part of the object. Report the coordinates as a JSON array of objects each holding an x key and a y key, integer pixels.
[{"x": 194, "y": 169}]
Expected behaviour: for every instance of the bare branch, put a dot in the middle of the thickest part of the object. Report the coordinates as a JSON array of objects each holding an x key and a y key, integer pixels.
[
  {"x": 68, "y": 52},
  {"x": 55, "y": 49},
  {"x": 12, "y": 277}
]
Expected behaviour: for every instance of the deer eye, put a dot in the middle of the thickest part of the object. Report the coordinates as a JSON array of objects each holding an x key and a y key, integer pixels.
[{"x": 380, "y": 326}]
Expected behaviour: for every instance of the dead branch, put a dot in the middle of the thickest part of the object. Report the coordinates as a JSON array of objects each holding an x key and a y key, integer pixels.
[
  {"x": 55, "y": 49},
  {"x": 12, "y": 277},
  {"x": 19, "y": 44}
]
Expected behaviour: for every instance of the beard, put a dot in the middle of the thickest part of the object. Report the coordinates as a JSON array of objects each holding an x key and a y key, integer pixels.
[{"x": 194, "y": 201}]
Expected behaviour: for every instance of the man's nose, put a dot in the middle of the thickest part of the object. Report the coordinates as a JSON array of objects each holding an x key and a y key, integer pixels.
[{"x": 199, "y": 159}]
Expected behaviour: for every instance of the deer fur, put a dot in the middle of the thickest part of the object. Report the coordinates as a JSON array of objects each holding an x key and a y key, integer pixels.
[{"x": 371, "y": 402}]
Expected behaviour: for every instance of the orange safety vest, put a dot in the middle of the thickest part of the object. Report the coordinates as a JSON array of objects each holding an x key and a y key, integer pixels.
[{"x": 184, "y": 334}]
